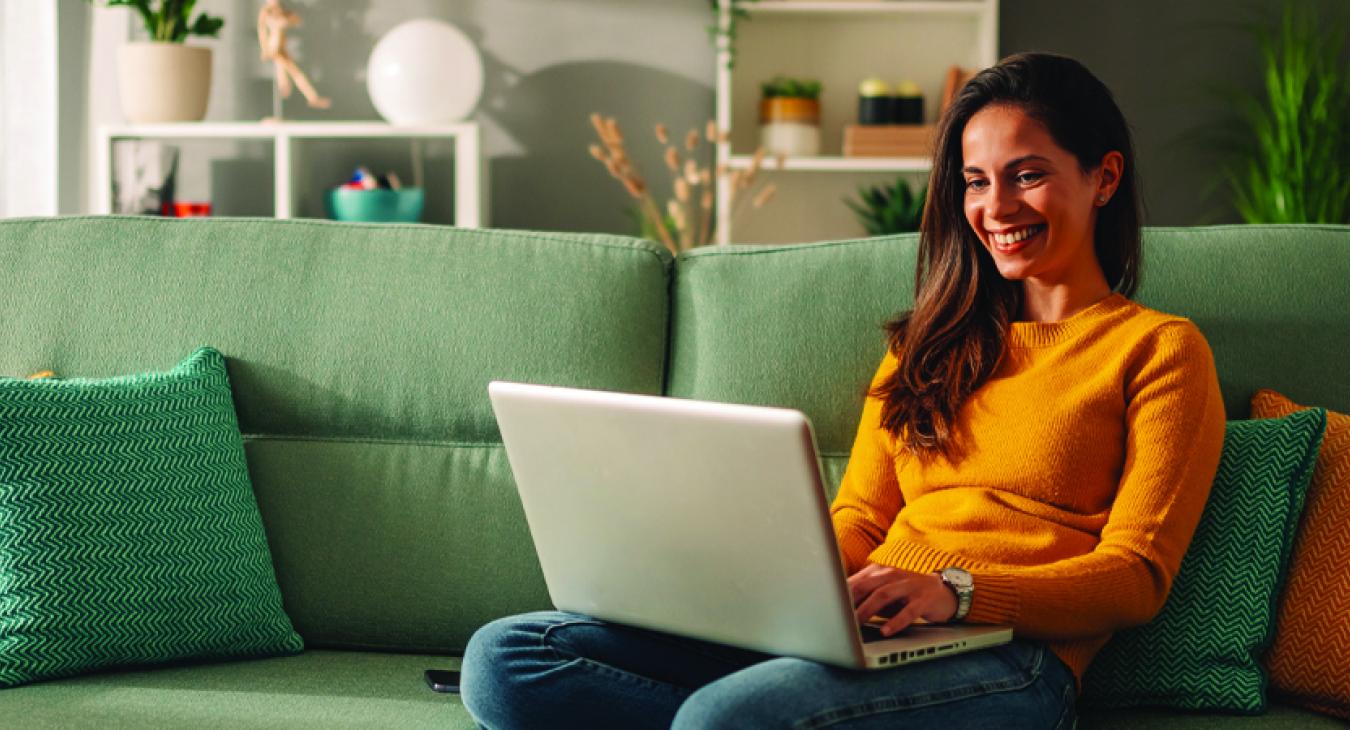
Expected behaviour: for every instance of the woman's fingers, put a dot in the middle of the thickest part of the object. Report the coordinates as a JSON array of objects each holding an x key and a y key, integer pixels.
[
  {"x": 876, "y": 601},
  {"x": 901, "y": 620}
]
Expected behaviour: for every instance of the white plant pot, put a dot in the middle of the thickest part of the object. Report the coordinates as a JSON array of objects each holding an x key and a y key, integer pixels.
[{"x": 163, "y": 82}]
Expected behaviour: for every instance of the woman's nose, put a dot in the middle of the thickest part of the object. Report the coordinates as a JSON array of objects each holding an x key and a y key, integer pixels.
[{"x": 1004, "y": 201}]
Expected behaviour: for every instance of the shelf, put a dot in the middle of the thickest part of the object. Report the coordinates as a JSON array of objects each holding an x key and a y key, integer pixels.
[
  {"x": 836, "y": 164},
  {"x": 965, "y": 7},
  {"x": 468, "y": 202},
  {"x": 266, "y": 130}
]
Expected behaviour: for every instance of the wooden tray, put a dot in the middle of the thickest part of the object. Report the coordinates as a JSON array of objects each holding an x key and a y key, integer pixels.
[{"x": 889, "y": 140}]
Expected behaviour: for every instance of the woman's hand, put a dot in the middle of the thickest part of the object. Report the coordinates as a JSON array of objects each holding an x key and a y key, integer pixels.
[{"x": 877, "y": 589}]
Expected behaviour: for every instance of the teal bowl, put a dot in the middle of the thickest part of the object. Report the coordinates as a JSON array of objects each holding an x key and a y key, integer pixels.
[{"x": 376, "y": 206}]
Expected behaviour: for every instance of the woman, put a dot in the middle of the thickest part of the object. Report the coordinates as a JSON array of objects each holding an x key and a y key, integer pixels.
[{"x": 1035, "y": 450}]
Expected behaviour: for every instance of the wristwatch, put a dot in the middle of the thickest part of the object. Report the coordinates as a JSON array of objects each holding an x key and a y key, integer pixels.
[{"x": 960, "y": 581}]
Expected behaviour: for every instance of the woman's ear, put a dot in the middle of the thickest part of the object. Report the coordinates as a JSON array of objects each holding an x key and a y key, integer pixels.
[{"x": 1109, "y": 172}]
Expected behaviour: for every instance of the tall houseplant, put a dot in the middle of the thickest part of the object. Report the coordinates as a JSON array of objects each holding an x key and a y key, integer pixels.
[
  {"x": 1292, "y": 161},
  {"x": 163, "y": 79}
]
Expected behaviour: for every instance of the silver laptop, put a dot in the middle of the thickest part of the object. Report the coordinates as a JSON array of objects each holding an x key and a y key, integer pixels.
[{"x": 702, "y": 519}]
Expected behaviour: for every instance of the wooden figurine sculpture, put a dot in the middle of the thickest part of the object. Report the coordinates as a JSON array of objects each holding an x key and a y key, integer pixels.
[{"x": 273, "y": 20}]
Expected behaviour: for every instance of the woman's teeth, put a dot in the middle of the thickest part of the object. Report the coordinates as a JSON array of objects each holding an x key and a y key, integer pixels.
[{"x": 1007, "y": 239}]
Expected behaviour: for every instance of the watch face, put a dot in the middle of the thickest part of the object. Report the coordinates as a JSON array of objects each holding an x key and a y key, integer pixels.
[{"x": 957, "y": 577}]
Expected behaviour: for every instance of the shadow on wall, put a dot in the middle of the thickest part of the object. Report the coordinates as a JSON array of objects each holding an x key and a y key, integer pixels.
[{"x": 552, "y": 182}]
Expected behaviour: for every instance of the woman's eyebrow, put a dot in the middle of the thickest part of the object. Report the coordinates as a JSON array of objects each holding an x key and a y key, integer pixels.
[{"x": 1011, "y": 163}]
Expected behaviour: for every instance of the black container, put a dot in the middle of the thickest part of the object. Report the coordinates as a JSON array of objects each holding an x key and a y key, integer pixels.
[
  {"x": 905, "y": 110},
  {"x": 874, "y": 110}
]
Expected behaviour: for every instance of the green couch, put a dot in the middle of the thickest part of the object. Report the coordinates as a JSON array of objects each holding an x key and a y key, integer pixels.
[{"x": 360, "y": 354}]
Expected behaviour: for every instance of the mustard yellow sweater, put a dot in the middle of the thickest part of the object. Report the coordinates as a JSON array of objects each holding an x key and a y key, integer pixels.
[{"x": 1088, "y": 457}]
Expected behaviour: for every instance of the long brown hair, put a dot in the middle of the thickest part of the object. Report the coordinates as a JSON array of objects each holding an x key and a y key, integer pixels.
[{"x": 950, "y": 343}]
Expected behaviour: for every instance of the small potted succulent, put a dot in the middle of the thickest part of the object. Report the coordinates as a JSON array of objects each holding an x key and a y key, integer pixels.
[
  {"x": 887, "y": 210},
  {"x": 163, "y": 79},
  {"x": 789, "y": 116}
]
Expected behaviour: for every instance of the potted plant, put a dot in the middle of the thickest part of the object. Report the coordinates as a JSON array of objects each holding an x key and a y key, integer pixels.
[
  {"x": 163, "y": 79},
  {"x": 1291, "y": 160},
  {"x": 789, "y": 116},
  {"x": 884, "y": 210}
]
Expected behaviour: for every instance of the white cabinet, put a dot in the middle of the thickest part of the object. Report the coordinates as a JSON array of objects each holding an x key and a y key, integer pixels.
[
  {"x": 469, "y": 201},
  {"x": 839, "y": 43}
]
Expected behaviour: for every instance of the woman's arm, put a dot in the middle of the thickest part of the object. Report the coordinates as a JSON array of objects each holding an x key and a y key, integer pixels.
[
  {"x": 869, "y": 494},
  {"x": 1175, "y": 430}
]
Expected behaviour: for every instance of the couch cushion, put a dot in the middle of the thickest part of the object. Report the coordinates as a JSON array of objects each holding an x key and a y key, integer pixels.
[
  {"x": 316, "y": 689},
  {"x": 360, "y": 356},
  {"x": 1201, "y": 651},
  {"x": 1310, "y": 660},
  {"x": 398, "y": 545},
  {"x": 129, "y": 533}
]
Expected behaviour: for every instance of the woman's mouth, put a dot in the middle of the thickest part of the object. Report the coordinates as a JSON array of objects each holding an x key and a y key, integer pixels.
[{"x": 1008, "y": 243}]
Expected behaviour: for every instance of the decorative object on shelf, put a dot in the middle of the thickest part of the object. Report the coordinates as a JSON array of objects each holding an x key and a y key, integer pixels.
[
  {"x": 273, "y": 20},
  {"x": 789, "y": 117},
  {"x": 907, "y": 104},
  {"x": 884, "y": 211},
  {"x": 1289, "y": 160},
  {"x": 424, "y": 71},
  {"x": 874, "y": 102},
  {"x": 880, "y": 103},
  {"x": 686, "y": 221},
  {"x": 956, "y": 78},
  {"x": 185, "y": 209},
  {"x": 369, "y": 198},
  {"x": 900, "y": 136},
  {"x": 889, "y": 140},
  {"x": 163, "y": 79},
  {"x": 145, "y": 174}
]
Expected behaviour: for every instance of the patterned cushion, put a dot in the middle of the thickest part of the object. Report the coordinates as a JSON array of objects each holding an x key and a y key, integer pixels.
[
  {"x": 1310, "y": 660},
  {"x": 1201, "y": 651},
  {"x": 129, "y": 533}
]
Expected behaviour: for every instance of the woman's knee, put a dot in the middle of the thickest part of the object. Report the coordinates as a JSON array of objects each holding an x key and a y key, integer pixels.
[{"x": 497, "y": 655}]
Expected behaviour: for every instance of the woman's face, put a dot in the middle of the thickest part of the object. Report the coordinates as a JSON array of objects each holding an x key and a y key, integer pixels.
[{"x": 1027, "y": 199}]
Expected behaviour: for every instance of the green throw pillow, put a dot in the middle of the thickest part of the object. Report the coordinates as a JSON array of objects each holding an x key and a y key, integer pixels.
[
  {"x": 1201, "y": 652},
  {"x": 129, "y": 533}
]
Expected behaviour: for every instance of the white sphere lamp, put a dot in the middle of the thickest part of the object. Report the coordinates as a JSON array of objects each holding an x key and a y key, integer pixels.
[{"x": 424, "y": 71}]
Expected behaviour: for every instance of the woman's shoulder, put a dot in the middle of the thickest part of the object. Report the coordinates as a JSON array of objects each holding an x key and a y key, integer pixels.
[{"x": 1148, "y": 324}]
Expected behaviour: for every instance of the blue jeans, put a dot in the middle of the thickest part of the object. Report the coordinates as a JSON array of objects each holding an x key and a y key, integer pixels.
[{"x": 552, "y": 669}]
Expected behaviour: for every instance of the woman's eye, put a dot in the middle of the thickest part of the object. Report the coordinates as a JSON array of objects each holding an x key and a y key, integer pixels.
[
  {"x": 1029, "y": 177},
  {"x": 974, "y": 184}
]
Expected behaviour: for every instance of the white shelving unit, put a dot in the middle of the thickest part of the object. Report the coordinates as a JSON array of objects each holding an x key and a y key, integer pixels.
[
  {"x": 839, "y": 42},
  {"x": 470, "y": 203}
]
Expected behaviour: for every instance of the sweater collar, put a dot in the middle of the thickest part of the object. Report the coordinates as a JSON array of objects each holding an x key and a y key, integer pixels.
[{"x": 1041, "y": 334}]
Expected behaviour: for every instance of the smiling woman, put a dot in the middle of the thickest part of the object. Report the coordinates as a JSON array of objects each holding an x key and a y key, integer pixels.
[{"x": 1035, "y": 448}]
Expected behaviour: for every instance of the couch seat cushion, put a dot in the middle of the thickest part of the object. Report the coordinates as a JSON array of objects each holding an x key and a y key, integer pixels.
[{"x": 316, "y": 689}]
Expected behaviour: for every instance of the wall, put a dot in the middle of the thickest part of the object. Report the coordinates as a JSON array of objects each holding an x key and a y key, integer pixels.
[{"x": 549, "y": 63}]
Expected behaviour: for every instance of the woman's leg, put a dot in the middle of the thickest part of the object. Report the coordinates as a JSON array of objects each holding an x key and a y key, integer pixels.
[
  {"x": 1017, "y": 685},
  {"x": 560, "y": 670}
]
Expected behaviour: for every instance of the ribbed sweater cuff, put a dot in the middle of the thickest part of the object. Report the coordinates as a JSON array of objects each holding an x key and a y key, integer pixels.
[{"x": 995, "y": 600}]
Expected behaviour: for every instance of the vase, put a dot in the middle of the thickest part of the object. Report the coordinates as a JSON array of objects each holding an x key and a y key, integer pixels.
[
  {"x": 790, "y": 126},
  {"x": 163, "y": 82}
]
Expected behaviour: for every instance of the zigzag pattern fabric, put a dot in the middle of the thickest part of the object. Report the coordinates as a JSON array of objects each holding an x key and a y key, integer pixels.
[
  {"x": 1202, "y": 650},
  {"x": 129, "y": 533},
  {"x": 1310, "y": 661}
]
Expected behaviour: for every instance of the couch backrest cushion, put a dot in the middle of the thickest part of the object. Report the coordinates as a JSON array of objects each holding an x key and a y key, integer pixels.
[
  {"x": 359, "y": 356},
  {"x": 800, "y": 326}
]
